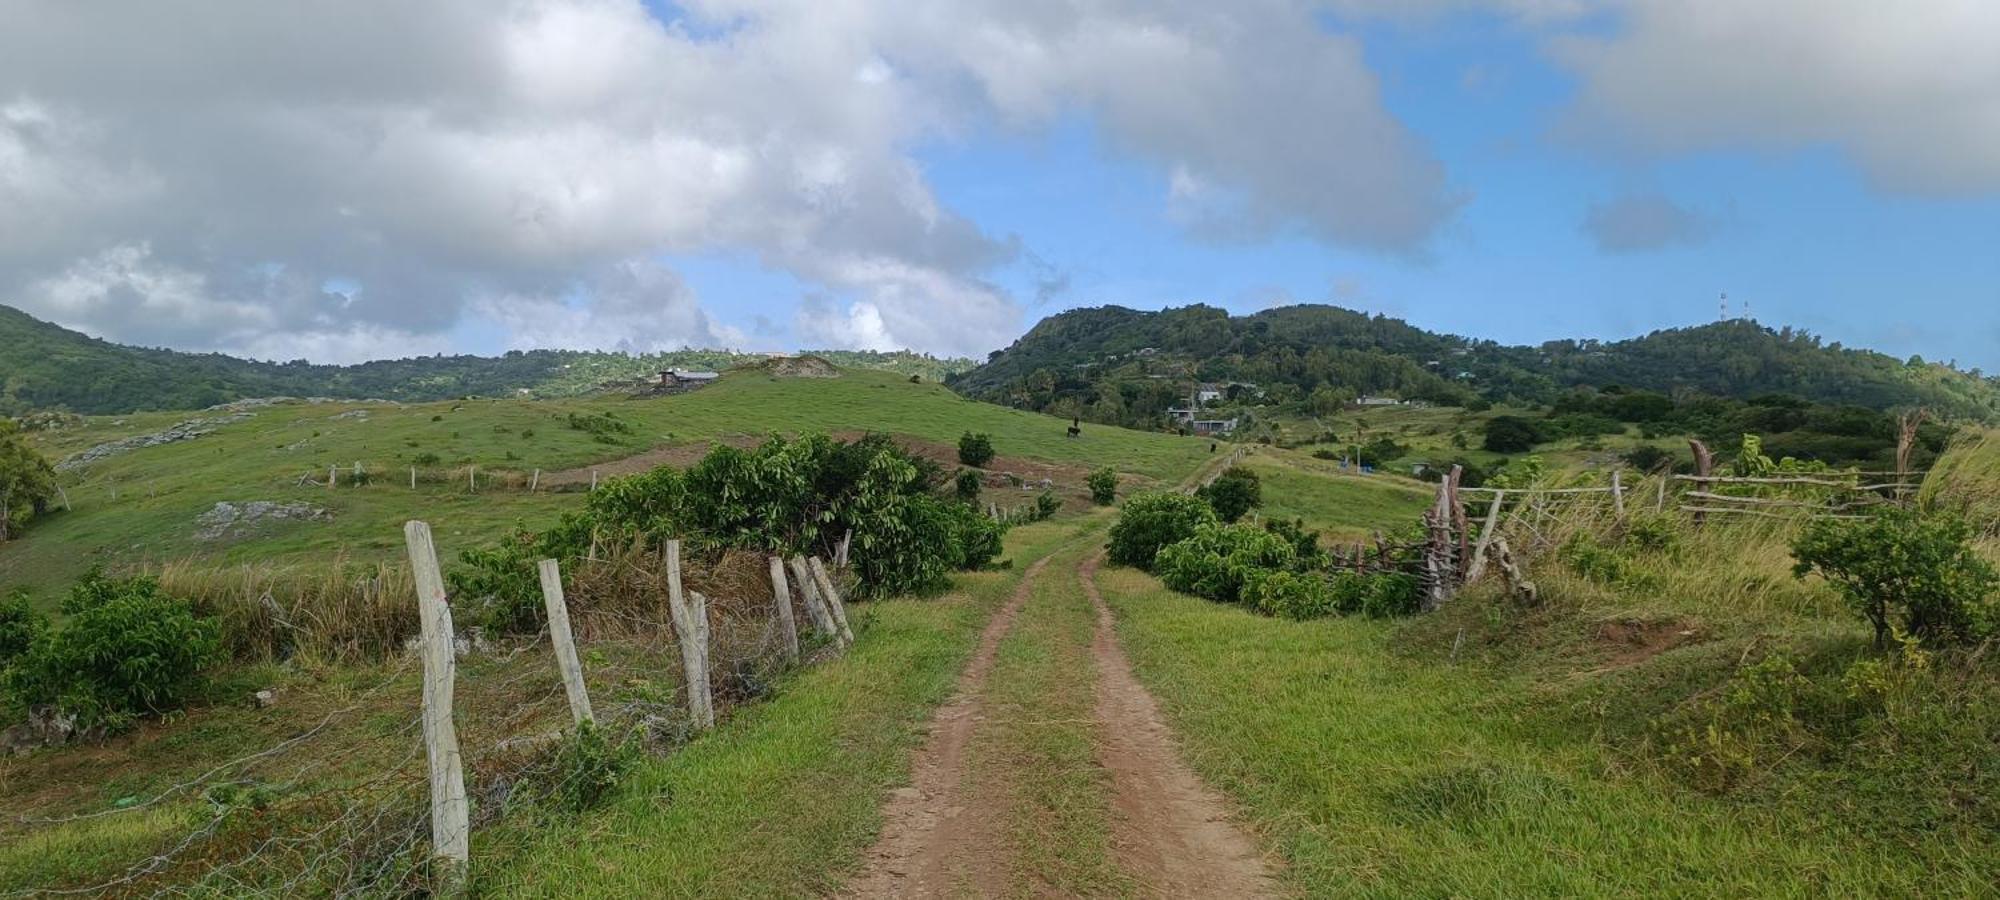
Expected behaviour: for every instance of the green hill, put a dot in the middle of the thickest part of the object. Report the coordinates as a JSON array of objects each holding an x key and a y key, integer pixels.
[
  {"x": 48, "y": 367},
  {"x": 1113, "y": 364}
]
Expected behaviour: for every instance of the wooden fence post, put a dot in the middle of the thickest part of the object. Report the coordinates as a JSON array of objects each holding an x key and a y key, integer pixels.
[
  {"x": 593, "y": 479},
  {"x": 65, "y": 498},
  {"x": 1478, "y": 566},
  {"x": 782, "y": 593},
  {"x": 1660, "y": 501},
  {"x": 832, "y": 596},
  {"x": 332, "y": 475},
  {"x": 691, "y": 632},
  {"x": 413, "y": 478},
  {"x": 840, "y": 553},
  {"x": 815, "y": 608},
  {"x": 535, "y": 482},
  {"x": 450, "y": 825},
  {"x": 472, "y": 479},
  {"x": 1704, "y": 467},
  {"x": 1617, "y": 495},
  {"x": 565, "y": 642}
]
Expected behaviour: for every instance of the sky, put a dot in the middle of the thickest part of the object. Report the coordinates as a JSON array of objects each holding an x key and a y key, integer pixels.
[{"x": 360, "y": 179}]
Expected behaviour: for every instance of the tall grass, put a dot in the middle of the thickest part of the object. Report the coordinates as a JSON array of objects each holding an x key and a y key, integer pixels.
[
  {"x": 1966, "y": 480},
  {"x": 336, "y": 612}
]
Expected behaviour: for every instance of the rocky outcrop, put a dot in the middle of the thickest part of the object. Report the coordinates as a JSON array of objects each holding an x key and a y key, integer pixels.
[
  {"x": 234, "y": 520},
  {"x": 183, "y": 431}
]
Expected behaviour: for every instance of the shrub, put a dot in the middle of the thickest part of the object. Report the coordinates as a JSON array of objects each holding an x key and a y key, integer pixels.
[
  {"x": 1511, "y": 434},
  {"x": 1391, "y": 594},
  {"x": 967, "y": 485},
  {"x": 587, "y": 766},
  {"x": 426, "y": 459},
  {"x": 127, "y": 650},
  {"x": 1904, "y": 570},
  {"x": 1292, "y": 595},
  {"x": 1235, "y": 492},
  {"x": 1046, "y": 505},
  {"x": 976, "y": 539},
  {"x": 1217, "y": 559},
  {"x": 20, "y": 625},
  {"x": 1647, "y": 458},
  {"x": 1103, "y": 485},
  {"x": 1151, "y": 521},
  {"x": 1379, "y": 451},
  {"x": 1305, "y": 542},
  {"x": 975, "y": 450}
]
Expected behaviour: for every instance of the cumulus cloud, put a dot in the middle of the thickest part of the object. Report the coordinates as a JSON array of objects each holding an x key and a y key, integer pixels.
[
  {"x": 1644, "y": 220},
  {"x": 1911, "y": 90},
  {"x": 198, "y": 175}
]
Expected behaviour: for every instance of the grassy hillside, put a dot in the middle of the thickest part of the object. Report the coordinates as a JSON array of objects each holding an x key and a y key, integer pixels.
[
  {"x": 48, "y": 367},
  {"x": 142, "y": 506}
]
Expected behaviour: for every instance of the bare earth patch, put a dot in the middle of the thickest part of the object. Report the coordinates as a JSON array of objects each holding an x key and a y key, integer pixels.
[{"x": 1171, "y": 833}]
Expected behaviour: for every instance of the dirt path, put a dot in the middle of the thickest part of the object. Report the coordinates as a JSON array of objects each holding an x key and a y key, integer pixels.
[
  {"x": 1171, "y": 833},
  {"x": 924, "y": 850}
]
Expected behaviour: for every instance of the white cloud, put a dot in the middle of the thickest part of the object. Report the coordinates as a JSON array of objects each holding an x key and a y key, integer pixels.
[
  {"x": 462, "y": 159},
  {"x": 1911, "y": 90}
]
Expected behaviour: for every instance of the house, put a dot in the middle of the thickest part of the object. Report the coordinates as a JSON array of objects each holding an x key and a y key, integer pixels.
[
  {"x": 1212, "y": 426},
  {"x": 686, "y": 377},
  {"x": 1365, "y": 400},
  {"x": 1181, "y": 414}
]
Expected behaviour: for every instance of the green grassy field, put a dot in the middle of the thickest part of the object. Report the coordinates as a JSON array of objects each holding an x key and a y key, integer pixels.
[
  {"x": 1377, "y": 775},
  {"x": 140, "y": 507},
  {"x": 1343, "y": 505}
]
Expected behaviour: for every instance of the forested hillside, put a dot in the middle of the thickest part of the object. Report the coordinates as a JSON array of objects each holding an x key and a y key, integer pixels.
[
  {"x": 1124, "y": 366},
  {"x": 47, "y": 367}
]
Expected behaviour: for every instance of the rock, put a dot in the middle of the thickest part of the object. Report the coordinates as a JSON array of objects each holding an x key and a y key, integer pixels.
[
  {"x": 235, "y": 520},
  {"x": 45, "y": 727},
  {"x": 266, "y": 699},
  {"x": 183, "y": 431}
]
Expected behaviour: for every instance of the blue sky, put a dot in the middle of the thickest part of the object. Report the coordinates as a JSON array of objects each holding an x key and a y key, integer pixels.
[{"x": 364, "y": 179}]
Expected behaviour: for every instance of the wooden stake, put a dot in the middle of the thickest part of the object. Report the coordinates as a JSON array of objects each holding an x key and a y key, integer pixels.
[
  {"x": 472, "y": 478},
  {"x": 815, "y": 608},
  {"x": 781, "y": 593},
  {"x": 1660, "y": 501},
  {"x": 450, "y": 826},
  {"x": 1478, "y": 567},
  {"x": 1617, "y": 494},
  {"x": 535, "y": 481},
  {"x": 593, "y": 479},
  {"x": 832, "y": 596},
  {"x": 332, "y": 475},
  {"x": 840, "y": 554},
  {"x": 565, "y": 642},
  {"x": 65, "y": 498},
  {"x": 691, "y": 633},
  {"x": 1704, "y": 466},
  {"x": 413, "y": 478}
]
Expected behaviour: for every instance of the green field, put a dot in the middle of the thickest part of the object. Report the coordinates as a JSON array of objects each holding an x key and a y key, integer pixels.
[
  {"x": 1341, "y": 504},
  {"x": 140, "y": 507}
]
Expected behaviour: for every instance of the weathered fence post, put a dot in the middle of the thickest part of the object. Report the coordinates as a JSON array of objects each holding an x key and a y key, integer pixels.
[
  {"x": 840, "y": 553},
  {"x": 1660, "y": 501},
  {"x": 413, "y": 478},
  {"x": 565, "y": 642},
  {"x": 535, "y": 482},
  {"x": 1438, "y": 568},
  {"x": 65, "y": 498},
  {"x": 1478, "y": 566},
  {"x": 593, "y": 479},
  {"x": 332, "y": 475},
  {"x": 832, "y": 596},
  {"x": 691, "y": 632},
  {"x": 782, "y": 593},
  {"x": 1704, "y": 467},
  {"x": 472, "y": 478},
  {"x": 815, "y": 608},
  {"x": 1458, "y": 521},
  {"x": 450, "y": 825},
  {"x": 1617, "y": 495}
]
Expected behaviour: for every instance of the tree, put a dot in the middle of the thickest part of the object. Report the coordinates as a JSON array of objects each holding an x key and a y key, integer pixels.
[
  {"x": 1235, "y": 492},
  {"x": 1511, "y": 434},
  {"x": 1152, "y": 521},
  {"x": 27, "y": 481},
  {"x": 975, "y": 450},
  {"x": 967, "y": 485},
  {"x": 1103, "y": 485},
  {"x": 1903, "y": 569}
]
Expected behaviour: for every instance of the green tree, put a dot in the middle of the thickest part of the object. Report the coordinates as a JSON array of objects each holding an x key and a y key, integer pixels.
[
  {"x": 1103, "y": 485},
  {"x": 27, "y": 481},
  {"x": 975, "y": 450},
  {"x": 1235, "y": 492},
  {"x": 1152, "y": 521},
  {"x": 1903, "y": 569},
  {"x": 1511, "y": 434},
  {"x": 967, "y": 485}
]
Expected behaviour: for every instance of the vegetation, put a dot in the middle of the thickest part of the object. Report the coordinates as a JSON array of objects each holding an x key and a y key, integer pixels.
[
  {"x": 27, "y": 481},
  {"x": 1906, "y": 573},
  {"x": 1217, "y": 560},
  {"x": 975, "y": 450},
  {"x": 1103, "y": 485},
  {"x": 1512, "y": 434},
  {"x": 125, "y": 650},
  {"x": 1150, "y": 522},
  {"x": 1233, "y": 493}
]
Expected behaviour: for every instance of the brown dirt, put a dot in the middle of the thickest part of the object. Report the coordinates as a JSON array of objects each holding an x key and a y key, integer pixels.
[
  {"x": 1633, "y": 641},
  {"x": 1171, "y": 833},
  {"x": 923, "y": 850}
]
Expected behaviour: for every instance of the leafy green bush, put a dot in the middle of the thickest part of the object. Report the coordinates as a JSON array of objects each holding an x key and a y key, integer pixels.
[
  {"x": 1151, "y": 521},
  {"x": 1235, "y": 492},
  {"x": 20, "y": 625},
  {"x": 604, "y": 428},
  {"x": 1046, "y": 505},
  {"x": 1390, "y": 594},
  {"x": 967, "y": 485},
  {"x": 1217, "y": 559},
  {"x": 976, "y": 539},
  {"x": 1291, "y": 595},
  {"x": 975, "y": 450},
  {"x": 1904, "y": 570},
  {"x": 1512, "y": 434},
  {"x": 1379, "y": 451},
  {"x": 127, "y": 650},
  {"x": 587, "y": 766},
  {"x": 1103, "y": 485}
]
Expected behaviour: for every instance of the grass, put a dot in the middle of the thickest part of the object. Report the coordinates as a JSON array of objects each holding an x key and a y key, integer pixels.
[
  {"x": 1342, "y": 505},
  {"x": 781, "y": 799},
  {"x": 1378, "y": 775},
  {"x": 139, "y": 508}
]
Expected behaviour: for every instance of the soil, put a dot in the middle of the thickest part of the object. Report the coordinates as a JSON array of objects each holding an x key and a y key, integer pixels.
[
  {"x": 1633, "y": 641},
  {"x": 923, "y": 850},
  {"x": 1171, "y": 833}
]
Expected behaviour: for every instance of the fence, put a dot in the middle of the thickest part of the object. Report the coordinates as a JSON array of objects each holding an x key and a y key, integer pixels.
[{"x": 345, "y": 806}]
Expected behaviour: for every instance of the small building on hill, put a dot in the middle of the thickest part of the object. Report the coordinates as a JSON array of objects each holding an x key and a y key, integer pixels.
[{"x": 687, "y": 378}]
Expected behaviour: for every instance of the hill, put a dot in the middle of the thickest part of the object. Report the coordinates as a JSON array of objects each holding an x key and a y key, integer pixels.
[
  {"x": 48, "y": 367},
  {"x": 1112, "y": 364}
]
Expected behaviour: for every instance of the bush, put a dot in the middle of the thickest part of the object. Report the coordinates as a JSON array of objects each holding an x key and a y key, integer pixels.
[
  {"x": 1046, "y": 505},
  {"x": 967, "y": 485},
  {"x": 1103, "y": 485},
  {"x": 1235, "y": 492},
  {"x": 1151, "y": 521},
  {"x": 975, "y": 450},
  {"x": 127, "y": 650},
  {"x": 1904, "y": 570},
  {"x": 1647, "y": 458},
  {"x": 587, "y": 766},
  {"x": 1305, "y": 542},
  {"x": 1291, "y": 595},
  {"x": 20, "y": 625},
  {"x": 1391, "y": 594},
  {"x": 1217, "y": 560},
  {"x": 1511, "y": 434},
  {"x": 1379, "y": 451},
  {"x": 976, "y": 539}
]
